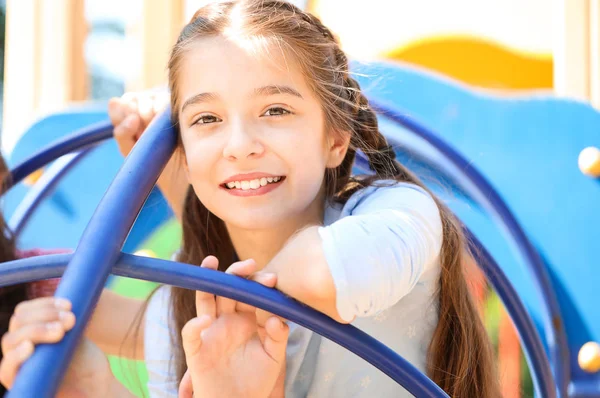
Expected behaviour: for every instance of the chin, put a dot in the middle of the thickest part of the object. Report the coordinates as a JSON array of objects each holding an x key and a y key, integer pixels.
[{"x": 256, "y": 220}]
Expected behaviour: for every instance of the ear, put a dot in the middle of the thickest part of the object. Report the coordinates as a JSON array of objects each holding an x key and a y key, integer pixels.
[{"x": 337, "y": 148}]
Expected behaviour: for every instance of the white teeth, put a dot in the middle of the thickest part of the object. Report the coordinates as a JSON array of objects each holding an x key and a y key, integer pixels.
[{"x": 252, "y": 184}]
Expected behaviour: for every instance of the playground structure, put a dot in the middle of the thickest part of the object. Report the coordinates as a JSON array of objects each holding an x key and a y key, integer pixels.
[
  {"x": 524, "y": 199},
  {"x": 526, "y": 187}
]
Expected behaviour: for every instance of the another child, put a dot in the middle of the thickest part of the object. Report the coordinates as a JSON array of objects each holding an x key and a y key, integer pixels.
[
  {"x": 108, "y": 330},
  {"x": 269, "y": 121}
]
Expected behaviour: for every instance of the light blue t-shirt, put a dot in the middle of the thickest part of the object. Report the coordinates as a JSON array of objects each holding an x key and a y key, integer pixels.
[{"x": 382, "y": 247}]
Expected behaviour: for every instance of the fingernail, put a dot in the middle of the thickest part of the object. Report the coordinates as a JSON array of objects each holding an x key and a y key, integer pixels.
[
  {"x": 62, "y": 304},
  {"x": 65, "y": 318},
  {"x": 265, "y": 275},
  {"x": 54, "y": 326},
  {"x": 130, "y": 121},
  {"x": 25, "y": 349}
]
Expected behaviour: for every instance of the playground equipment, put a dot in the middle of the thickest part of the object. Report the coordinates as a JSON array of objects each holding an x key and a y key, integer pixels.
[{"x": 508, "y": 158}]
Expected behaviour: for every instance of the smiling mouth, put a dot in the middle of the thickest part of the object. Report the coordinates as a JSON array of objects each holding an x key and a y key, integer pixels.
[{"x": 256, "y": 183}]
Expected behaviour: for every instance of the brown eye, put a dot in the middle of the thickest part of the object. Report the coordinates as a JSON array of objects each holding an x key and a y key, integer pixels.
[
  {"x": 276, "y": 111},
  {"x": 207, "y": 119}
]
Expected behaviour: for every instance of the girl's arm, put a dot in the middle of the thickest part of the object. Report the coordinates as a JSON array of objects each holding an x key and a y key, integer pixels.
[
  {"x": 114, "y": 325},
  {"x": 364, "y": 262}
]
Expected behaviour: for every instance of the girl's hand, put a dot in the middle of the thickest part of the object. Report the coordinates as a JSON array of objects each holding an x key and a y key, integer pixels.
[
  {"x": 46, "y": 320},
  {"x": 227, "y": 352},
  {"x": 131, "y": 114}
]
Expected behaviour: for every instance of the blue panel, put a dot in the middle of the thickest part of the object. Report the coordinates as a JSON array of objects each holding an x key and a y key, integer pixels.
[
  {"x": 77, "y": 196},
  {"x": 528, "y": 148}
]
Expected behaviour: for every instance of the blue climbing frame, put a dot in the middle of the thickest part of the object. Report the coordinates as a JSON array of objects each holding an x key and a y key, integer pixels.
[{"x": 100, "y": 245}]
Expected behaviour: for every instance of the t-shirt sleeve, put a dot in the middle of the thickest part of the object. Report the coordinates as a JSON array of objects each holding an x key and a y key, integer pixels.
[
  {"x": 378, "y": 252},
  {"x": 46, "y": 287},
  {"x": 162, "y": 380}
]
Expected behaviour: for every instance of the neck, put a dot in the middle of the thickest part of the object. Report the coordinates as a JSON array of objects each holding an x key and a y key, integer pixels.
[{"x": 262, "y": 245}]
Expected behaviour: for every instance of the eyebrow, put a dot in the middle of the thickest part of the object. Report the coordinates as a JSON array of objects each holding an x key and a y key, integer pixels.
[
  {"x": 259, "y": 92},
  {"x": 275, "y": 89},
  {"x": 199, "y": 98}
]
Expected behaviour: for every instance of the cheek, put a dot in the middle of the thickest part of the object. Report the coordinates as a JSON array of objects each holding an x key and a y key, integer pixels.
[{"x": 199, "y": 159}]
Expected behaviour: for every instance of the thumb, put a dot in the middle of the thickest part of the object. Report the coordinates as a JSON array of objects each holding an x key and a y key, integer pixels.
[
  {"x": 186, "y": 390},
  {"x": 276, "y": 338},
  {"x": 191, "y": 336}
]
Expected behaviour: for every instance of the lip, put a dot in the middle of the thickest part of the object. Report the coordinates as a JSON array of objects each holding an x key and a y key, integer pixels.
[
  {"x": 254, "y": 192},
  {"x": 249, "y": 176}
]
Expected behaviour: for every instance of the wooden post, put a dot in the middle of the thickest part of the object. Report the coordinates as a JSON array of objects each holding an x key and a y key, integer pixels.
[
  {"x": 155, "y": 34},
  {"x": 44, "y": 61},
  {"x": 595, "y": 53},
  {"x": 572, "y": 49}
]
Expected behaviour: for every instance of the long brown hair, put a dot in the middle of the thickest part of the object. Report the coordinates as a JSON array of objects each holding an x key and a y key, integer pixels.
[
  {"x": 10, "y": 296},
  {"x": 460, "y": 358}
]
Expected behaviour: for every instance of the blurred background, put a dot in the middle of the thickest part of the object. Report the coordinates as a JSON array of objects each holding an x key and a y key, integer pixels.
[
  {"x": 91, "y": 50},
  {"x": 62, "y": 55}
]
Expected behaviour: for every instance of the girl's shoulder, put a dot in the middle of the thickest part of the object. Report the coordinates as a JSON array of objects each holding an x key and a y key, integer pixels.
[{"x": 384, "y": 195}]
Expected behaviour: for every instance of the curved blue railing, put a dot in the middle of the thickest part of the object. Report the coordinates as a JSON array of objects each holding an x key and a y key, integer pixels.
[
  {"x": 77, "y": 141},
  {"x": 530, "y": 338},
  {"x": 552, "y": 321},
  {"x": 98, "y": 250},
  {"x": 94, "y": 134},
  {"x": 42, "y": 188},
  {"x": 192, "y": 277},
  {"x": 240, "y": 289}
]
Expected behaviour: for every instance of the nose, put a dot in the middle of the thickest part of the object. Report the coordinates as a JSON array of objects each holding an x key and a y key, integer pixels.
[{"x": 242, "y": 143}]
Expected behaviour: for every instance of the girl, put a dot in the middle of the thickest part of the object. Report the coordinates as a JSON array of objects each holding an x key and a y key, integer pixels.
[{"x": 269, "y": 121}]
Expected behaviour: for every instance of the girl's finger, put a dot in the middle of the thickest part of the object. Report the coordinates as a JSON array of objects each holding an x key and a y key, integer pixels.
[
  {"x": 40, "y": 310},
  {"x": 117, "y": 110},
  {"x": 275, "y": 342},
  {"x": 12, "y": 361},
  {"x": 205, "y": 302},
  {"x": 186, "y": 389},
  {"x": 243, "y": 269},
  {"x": 266, "y": 279},
  {"x": 191, "y": 336},
  {"x": 50, "y": 332}
]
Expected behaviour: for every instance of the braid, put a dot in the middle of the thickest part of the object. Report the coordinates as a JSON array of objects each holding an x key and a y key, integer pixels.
[
  {"x": 368, "y": 138},
  {"x": 363, "y": 120}
]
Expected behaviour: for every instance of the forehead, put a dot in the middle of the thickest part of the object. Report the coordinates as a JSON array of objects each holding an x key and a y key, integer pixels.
[{"x": 222, "y": 65}]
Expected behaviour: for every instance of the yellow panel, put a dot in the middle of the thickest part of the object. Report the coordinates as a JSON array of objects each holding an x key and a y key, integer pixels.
[{"x": 478, "y": 62}]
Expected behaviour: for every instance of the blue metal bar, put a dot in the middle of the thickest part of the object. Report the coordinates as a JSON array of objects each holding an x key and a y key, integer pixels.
[
  {"x": 240, "y": 289},
  {"x": 530, "y": 338},
  {"x": 552, "y": 321},
  {"x": 76, "y": 141},
  {"x": 98, "y": 250},
  {"x": 42, "y": 188}
]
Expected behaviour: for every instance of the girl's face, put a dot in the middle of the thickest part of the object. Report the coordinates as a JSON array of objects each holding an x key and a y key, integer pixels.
[{"x": 254, "y": 135}]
